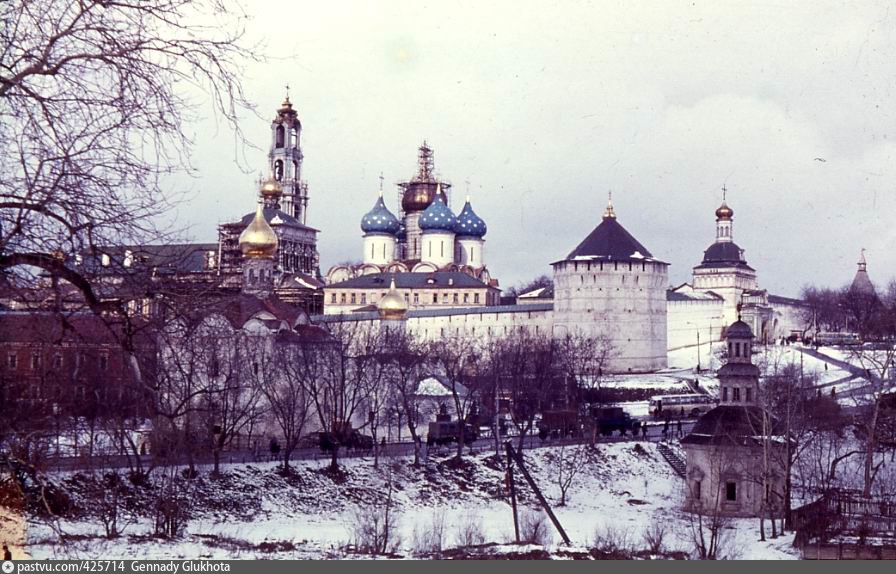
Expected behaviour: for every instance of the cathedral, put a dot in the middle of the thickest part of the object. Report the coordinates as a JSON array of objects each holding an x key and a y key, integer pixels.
[{"x": 436, "y": 257}]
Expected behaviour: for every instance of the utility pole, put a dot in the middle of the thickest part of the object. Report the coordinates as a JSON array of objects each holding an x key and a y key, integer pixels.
[
  {"x": 517, "y": 457},
  {"x": 512, "y": 487}
]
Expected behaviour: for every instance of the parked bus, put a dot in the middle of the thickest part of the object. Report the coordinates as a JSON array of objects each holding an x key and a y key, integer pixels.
[
  {"x": 836, "y": 339},
  {"x": 690, "y": 405}
]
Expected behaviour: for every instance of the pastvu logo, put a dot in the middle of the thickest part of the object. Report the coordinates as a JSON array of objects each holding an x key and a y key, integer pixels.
[{"x": 8, "y": 566}]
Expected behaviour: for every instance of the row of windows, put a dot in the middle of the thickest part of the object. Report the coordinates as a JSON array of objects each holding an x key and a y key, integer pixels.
[
  {"x": 735, "y": 394},
  {"x": 626, "y": 265},
  {"x": 730, "y": 490},
  {"x": 738, "y": 350},
  {"x": 12, "y": 361},
  {"x": 361, "y": 298},
  {"x": 623, "y": 280}
]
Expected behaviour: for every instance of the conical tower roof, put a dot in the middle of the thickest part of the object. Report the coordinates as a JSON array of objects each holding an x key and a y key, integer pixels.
[
  {"x": 861, "y": 283},
  {"x": 609, "y": 240}
]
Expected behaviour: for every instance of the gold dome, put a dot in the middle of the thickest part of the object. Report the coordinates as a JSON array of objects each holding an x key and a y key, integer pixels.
[
  {"x": 271, "y": 188},
  {"x": 393, "y": 305},
  {"x": 724, "y": 212},
  {"x": 258, "y": 240}
]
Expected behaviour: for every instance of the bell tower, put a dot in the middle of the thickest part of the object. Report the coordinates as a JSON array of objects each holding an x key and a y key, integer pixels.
[{"x": 285, "y": 159}]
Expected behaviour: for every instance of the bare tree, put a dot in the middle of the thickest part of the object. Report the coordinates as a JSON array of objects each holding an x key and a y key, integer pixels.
[
  {"x": 233, "y": 401},
  {"x": 94, "y": 100},
  {"x": 457, "y": 359},
  {"x": 405, "y": 358},
  {"x": 570, "y": 461},
  {"x": 282, "y": 380},
  {"x": 337, "y": 374}
]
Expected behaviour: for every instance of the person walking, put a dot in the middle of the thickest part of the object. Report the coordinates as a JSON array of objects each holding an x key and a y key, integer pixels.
[
  {"x": 679, "y": 429},
  {"x": 644, "y": 431},
  {"x": 666, "y": 429},
  {"x": 7, "y": 555}
]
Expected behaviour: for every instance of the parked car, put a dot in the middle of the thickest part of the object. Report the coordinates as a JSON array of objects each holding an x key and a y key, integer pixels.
[
  {"x": 354, "y": 441},
  {"x": 609, "y": 419},
  {"x": 445, "y": 432}
]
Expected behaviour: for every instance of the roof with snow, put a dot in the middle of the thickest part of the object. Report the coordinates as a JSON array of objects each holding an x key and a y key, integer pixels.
[
  {"x": 539, "y": 293},
  {"x": 686, "y": 292},
  {"x": 609, "y": 240}
]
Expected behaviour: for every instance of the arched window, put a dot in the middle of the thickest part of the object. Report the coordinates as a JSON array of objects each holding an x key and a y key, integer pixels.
[{"x": 280, "y": 136}]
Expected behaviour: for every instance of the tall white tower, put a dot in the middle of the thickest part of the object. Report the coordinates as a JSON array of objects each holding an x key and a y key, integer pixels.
[
  {"x": 611, "y": 288},
  {"x": 285, "y": 160}
]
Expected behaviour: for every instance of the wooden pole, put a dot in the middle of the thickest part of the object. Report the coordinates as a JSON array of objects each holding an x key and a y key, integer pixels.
[
  {"x": 516, "y": 520},
  {"x": 544, "y": 503}
]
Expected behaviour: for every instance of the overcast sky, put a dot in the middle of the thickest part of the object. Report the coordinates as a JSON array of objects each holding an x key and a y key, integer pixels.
[{"x": 545, "y": 107}]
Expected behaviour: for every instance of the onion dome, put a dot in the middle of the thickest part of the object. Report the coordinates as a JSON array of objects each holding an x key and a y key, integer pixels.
[
  {"x": 380, "y": 219},
  {"x": 724, "y": 212},
  {"x": 468, "y": 223},
  {"x": 392, "y": 305},
  {"x": 270, "y": 188},
  {"x": 258, "y": 240},
  {"x": 438, "y": 216}
]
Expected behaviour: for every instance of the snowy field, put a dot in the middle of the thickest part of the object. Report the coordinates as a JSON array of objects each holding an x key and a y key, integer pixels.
[{"x": 253, "y": 512}]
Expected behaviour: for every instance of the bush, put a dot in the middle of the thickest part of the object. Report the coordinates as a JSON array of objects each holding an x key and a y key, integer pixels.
[
  {"x": 375, "y": 531},
  {"x": 612, "y": 540},
  {"x": 534, "y": 528},
  {"x": 429, "y": 537},
  {"x": 469, "y": 531},
  {"x": 654, "y": 538}
]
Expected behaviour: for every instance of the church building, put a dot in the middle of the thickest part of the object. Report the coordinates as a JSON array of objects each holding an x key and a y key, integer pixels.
[
  {"x": 736, "y": 451},
  {"x": 436, "y": 257}
]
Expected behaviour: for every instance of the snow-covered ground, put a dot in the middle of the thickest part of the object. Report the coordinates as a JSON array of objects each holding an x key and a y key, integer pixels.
[{"x": 255, "y": 512}]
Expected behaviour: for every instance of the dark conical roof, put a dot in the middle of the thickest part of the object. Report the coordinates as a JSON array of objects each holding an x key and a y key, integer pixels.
[
  {"x": 862, "y": 284},
  {"x": 724, "y": 254},
  {"x": 611, "y": 241}
]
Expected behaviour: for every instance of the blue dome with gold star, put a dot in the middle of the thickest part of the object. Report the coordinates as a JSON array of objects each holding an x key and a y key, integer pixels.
[
  {"x": 438, "y": 216},
  {"x": 469, "y": 224},
  {"x": 380, "y": 219}
]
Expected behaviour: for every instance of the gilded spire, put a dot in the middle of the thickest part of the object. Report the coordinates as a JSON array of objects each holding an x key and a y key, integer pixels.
[{"x": 609, "y": 212}]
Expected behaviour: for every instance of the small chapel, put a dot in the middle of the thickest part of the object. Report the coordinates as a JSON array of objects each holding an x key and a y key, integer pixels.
[{"x": 736, "y": 451}]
